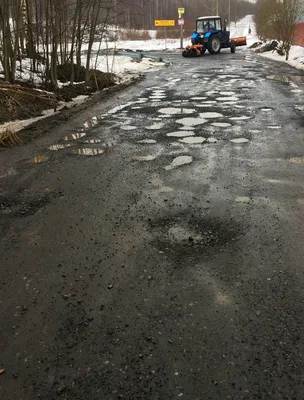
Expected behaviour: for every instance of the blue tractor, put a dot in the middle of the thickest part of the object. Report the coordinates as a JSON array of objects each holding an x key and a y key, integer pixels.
[{"x": 213, "y": 36}]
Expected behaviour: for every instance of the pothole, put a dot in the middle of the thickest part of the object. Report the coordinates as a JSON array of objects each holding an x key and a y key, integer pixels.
[
  {"x": 38, "y": 159},
  {"x": 147, "y": 141},
  {"x": 233, "y": 98},
  {"x": 239, "y": 140},
  {"x": 211, "y": 115},
  {"x": 128, "y": 128},
  {"x": 297, "y": 160},
  {"x": 193, "y": 140},
  {"x": 191, "y": 121},
  {"x": 156, "y": 126},
  {"x": 59, "y": 146},
  {"x": 242, "y": 199},
  {"x": 179, "y": 161},
  {"x": 241, "y": 118},
  {"x": 144, "y": 158},
  {"x": 88, "y": 151},
  {"x": 221, "y": 124},
  {"x": 74, "y": 136},
  {"x": 175, "y": 110},
  {"x": 92, "y": 141}
]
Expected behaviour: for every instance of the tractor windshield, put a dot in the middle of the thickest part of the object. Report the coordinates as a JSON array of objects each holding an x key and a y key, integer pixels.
[{"x": 208, "y": 25}]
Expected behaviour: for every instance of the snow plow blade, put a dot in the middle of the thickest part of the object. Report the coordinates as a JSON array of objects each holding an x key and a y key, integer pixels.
[{"x": 240, "y": 41}]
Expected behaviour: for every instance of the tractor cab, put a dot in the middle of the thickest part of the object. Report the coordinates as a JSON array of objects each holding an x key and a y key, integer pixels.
[{"x": 208, "y": 24}]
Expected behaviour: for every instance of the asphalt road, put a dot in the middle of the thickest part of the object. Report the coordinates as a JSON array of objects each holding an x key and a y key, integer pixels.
[{"x": 158, "y": 257}]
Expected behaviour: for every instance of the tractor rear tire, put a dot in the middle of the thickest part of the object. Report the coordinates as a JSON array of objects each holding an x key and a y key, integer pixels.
[
  {"x": 232, "y": 46},
  {"x": 214, "y": 45}
]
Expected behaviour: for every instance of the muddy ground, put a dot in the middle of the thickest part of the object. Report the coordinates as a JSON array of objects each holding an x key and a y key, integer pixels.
[{"x": 152, "y": 246}]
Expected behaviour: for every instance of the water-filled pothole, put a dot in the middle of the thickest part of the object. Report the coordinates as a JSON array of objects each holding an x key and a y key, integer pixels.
[
  {"x": 38, "y": 159},
  {"x": 180, "y": 134},
  {"x": 193, "y": 140},
  {"x": 176, "y": 111},
  {"x": 179, "y": 161},
  {"x": 88, "y": 151}
]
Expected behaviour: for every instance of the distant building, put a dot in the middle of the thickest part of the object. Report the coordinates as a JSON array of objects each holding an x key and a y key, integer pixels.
[{"x": 299, "y": 34}]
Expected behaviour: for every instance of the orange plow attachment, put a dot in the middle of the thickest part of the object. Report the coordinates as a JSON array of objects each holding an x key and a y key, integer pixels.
[{"x": 240, "y": 41}]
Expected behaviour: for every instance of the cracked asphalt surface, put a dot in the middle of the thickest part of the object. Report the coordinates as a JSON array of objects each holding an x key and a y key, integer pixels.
[{"x": 152, "y": 247}]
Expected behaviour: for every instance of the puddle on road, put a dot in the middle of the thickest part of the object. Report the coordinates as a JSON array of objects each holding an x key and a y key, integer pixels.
[
  {"x": 242, "y": 199},
  {"x": 274, "y": 126},
  {"x": 147, "y": 141},
  {"x": 92, "y": 141},
  {"x": 212, "y": 140},
  {"x": 209, "y": 115},
  {"x": 242, "y": 118},
  {"x": 266, "y": 109},
  {"x": 59, "y": 146},
  {"x": 144, "y": 158},
  {"x": 193, "y": 140},
  {"x": 180, "y": 134},
  {"x": 186, "y": 128},
  {"x": 179, "y": 161},
  {"x": 297, "y": 160},
  {"x": 128, "y": 128},
  {"x": 88, "y": 151},
  {"x": 221, "y": 124},
  {"x": 198, "y": 98},
  {"x": 227, "y": 93},
  {"x": 74, "y": 136},
  {"x": 156, "y": 126},
  {"x": 191, "y": 121},
  {"x": 175, "y": 110},
  {"x": 38, "y": 159},
  {"x": 232, "y": 98},
  {"x": 239, "y": 140}
]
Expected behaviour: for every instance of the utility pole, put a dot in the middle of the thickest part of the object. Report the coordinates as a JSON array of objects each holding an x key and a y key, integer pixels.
[{"x": 217, "y": 7}]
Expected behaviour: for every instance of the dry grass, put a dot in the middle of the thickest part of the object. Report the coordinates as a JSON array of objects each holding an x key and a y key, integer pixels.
[
  {"x": 9, "y": 138},
  {"x": 134, "y": 34}
]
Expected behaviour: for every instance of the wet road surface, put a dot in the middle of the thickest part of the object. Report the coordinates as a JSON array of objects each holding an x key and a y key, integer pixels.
[{"x": 152, "y": 248}]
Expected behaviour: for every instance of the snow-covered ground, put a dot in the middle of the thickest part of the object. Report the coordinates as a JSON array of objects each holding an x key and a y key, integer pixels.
[{"x": 296, "y": 56}]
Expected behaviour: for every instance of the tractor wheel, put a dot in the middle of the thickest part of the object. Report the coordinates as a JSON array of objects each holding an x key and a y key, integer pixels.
[
  {"x": 203, "y": 51},
  {"x": 214, "y": 45},
  {"x": 232, "y": 46}
]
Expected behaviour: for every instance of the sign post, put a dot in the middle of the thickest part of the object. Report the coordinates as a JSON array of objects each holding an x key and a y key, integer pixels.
[
  {"x": 165, "y": 23},
  {"x": 181, "y": 22}
]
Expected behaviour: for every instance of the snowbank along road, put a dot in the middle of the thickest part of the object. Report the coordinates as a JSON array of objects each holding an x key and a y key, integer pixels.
[{"x": 152, "y": 248}]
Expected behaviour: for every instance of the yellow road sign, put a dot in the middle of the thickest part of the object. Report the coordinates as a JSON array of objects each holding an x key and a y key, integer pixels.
[
  {"x": 181, "y": 10},
  {"x": 164, "y": 22}
]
